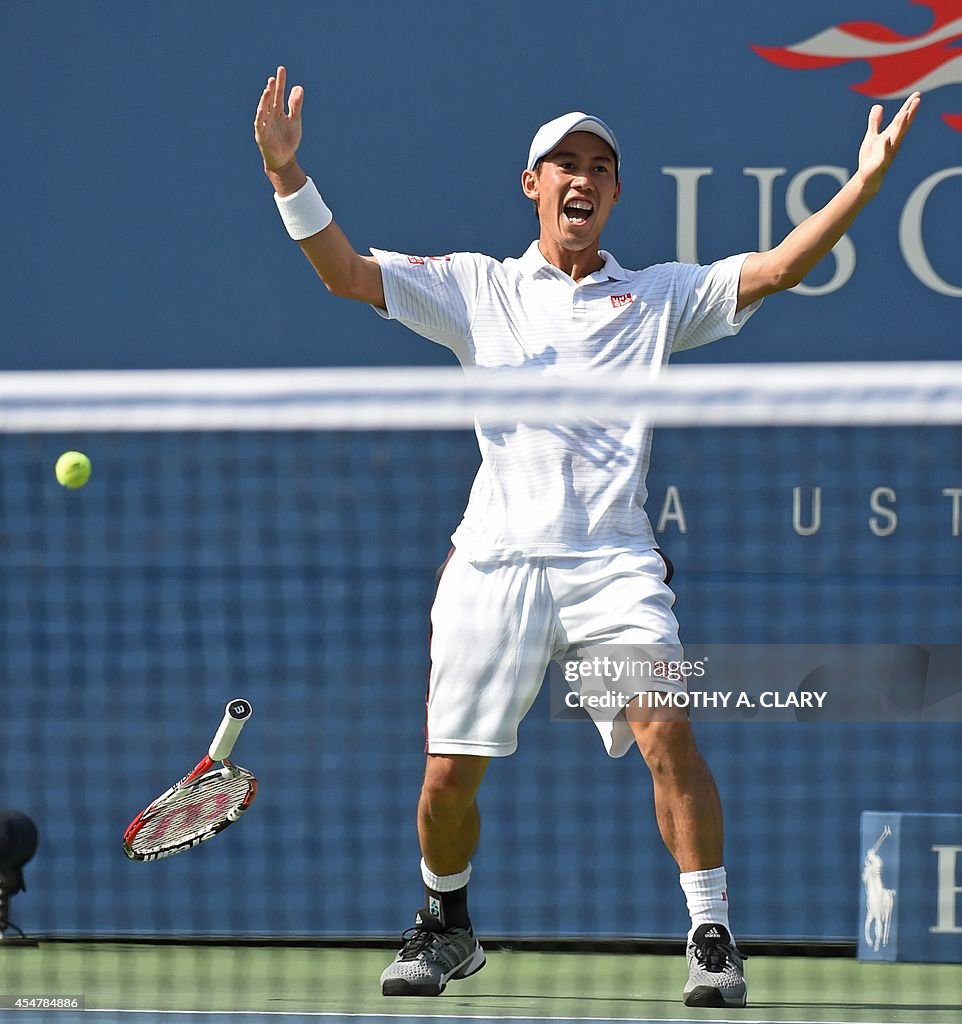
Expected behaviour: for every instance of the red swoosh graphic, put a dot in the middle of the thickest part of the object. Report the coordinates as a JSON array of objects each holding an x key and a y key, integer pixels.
[{"x": 925, "y": 61}]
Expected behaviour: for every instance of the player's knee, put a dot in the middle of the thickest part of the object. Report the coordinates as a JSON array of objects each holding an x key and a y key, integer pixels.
[
  {"x": 450, "y": 784},
  {"x": 446, "y": 802}
]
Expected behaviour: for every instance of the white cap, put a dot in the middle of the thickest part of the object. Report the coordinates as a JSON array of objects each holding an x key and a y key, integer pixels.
[{"x": 549, "y": 135}]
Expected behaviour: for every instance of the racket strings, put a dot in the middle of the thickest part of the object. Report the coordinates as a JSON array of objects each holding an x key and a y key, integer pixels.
[{"x": 191, "y": 812}]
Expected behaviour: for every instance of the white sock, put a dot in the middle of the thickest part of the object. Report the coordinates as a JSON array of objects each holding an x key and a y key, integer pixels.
[
  {"x": 444, "y": 883},
  {"x": 707, "y": 896}
]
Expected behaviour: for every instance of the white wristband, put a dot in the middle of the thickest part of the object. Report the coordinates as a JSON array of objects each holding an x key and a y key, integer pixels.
[{"x": 304, "y": 213}]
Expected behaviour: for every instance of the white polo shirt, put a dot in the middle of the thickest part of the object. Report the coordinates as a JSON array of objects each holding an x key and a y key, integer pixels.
[{"x": 574, "y": 489}]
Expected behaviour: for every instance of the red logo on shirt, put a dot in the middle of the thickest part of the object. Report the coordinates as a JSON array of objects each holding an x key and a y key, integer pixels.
[
  {"x": 622, "y": 300},
  {"x": 418, "y": 261}
]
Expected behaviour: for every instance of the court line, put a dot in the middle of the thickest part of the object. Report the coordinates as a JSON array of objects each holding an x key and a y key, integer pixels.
[{"x": 387, "y": 1018}]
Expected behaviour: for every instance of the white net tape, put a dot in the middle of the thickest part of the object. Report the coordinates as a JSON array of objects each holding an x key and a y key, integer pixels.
[{"x": 449, "y": 398}]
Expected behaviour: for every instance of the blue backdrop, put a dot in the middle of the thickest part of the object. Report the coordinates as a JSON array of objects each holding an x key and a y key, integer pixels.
[{"x": 140, "y": 232}]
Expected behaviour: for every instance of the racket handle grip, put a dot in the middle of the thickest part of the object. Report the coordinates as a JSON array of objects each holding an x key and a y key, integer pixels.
[{"x": 235, "y": 715}]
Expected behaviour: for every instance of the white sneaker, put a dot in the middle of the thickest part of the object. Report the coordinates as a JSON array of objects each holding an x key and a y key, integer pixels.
[
  {"x": 715, "y": 974},
  {"x": 431, "y": 956}
]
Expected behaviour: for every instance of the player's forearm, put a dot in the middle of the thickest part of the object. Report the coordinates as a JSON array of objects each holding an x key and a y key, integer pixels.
[
  {"x": 342, "y": 270},
  {"x": 813, "y": 239}
]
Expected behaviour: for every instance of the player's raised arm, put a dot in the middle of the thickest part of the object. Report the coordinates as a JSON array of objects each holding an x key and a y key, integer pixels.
[
  {"x": 277, "y": 132},
  {"x": 787, "y": 264}
]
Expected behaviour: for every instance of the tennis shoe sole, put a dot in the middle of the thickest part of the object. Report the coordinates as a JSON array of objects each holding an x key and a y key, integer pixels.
[{"x": 706, "y": 996}]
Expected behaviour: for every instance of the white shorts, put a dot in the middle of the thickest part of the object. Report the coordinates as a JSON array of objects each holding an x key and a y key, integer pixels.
[{"x": 497, "y": 625}]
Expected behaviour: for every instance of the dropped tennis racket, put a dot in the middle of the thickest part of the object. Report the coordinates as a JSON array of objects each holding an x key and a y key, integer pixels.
[{"x": 214, "y": 795}]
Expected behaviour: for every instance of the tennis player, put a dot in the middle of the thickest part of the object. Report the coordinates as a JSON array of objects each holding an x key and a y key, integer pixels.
[{"x": 555, "y": 555}]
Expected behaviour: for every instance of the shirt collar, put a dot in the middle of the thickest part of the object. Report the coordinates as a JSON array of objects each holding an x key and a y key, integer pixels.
[{"x": 533, "y": 263}]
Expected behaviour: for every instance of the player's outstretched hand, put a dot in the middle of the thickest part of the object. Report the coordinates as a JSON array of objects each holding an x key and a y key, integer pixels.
[
  {"x": 879, "y": 147},
  {"x": 278, "y": 134}
]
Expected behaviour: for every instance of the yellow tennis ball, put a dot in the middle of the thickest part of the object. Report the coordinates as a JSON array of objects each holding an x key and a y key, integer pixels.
[{"x": 73, "y": 469}]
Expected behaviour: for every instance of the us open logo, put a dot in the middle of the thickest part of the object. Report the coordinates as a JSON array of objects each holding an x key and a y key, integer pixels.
[{"x": 899, "y": 64}]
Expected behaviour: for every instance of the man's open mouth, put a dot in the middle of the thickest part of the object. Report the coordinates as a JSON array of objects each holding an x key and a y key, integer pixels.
[{"x": 577, "y": 211}]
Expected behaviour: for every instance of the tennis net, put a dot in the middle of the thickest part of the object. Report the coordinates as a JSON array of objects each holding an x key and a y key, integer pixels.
[{"x": 275, "y": 535}]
